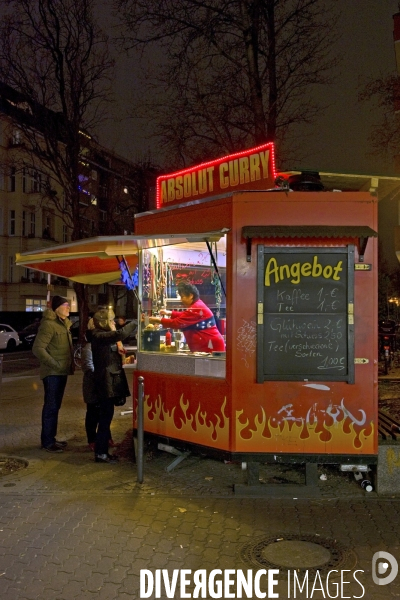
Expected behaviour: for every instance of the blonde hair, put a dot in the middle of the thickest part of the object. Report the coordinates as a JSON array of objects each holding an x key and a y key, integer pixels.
[{"x": 90, "y": 324}]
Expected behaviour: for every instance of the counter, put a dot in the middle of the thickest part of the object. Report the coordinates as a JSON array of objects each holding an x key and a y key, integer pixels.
[{"x": 180, "y": 363}]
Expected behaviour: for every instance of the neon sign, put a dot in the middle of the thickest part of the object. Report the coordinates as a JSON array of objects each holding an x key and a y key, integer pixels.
[{"x": 247, "y": 170}]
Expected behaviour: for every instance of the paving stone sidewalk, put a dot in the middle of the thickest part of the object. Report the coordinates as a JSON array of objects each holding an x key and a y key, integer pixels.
[{"x": 72, "y": 529}]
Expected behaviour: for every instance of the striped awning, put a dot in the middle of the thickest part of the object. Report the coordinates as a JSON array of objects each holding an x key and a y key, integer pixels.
[{"x": 96, "y": 260}]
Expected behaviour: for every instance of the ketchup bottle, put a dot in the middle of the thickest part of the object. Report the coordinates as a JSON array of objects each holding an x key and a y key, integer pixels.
[{"x": 168, "y": 338}]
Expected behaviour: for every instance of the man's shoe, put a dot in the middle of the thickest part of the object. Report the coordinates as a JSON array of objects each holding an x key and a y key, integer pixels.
[
  {"x": 53, "y": 448},
  {"x": 105, "y": 458},
  {"x": 61, "y": 444}
]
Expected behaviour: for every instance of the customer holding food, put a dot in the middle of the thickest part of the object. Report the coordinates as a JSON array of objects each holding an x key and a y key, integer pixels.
[
  {"x": 111, "y": 386},
  {"x": 197, "y": 322}
]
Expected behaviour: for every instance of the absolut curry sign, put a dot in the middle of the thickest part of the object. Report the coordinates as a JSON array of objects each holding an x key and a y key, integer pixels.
[{"x": 247, "y": 170}]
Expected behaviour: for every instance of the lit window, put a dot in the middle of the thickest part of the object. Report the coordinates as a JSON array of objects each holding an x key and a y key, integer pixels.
[{"x": 34, "y": 305}]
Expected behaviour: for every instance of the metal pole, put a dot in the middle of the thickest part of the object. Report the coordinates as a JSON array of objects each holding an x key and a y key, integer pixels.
[
  {"x": 140, "y": 428},
  {"x": 48, "y": 289}
]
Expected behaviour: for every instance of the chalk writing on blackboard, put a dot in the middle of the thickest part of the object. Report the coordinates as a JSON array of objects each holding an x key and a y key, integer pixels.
[{"x": 304, "y": 302}]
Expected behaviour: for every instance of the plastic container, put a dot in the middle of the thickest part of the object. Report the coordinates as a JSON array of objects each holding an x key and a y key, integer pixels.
[
  {"x": 367, "y": 485},
  {"x": 151, "y": 340}
]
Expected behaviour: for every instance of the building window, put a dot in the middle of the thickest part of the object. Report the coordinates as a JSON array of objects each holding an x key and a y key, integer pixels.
[
  {"x": 16, "y": 137},
  {"x": 64, "y": 200},
  {"x": 32, "y": 229},
  {"x": 1, "y": 269},
  {"x": 65, "y": 234},
  {"x": 32, "y": 181},
  {"x": 11, "y": 269},
  {"x": 11, "y": 179},
  {"x": 1, "y": 221},
  {"x": 24, "y": 176},
  {"x": 47, "y": 221},
  {"x": 34, "y": 305},
  {"x": 2, "y": 180},
  {"x": 36, "y": 182},
  {"x": 11, "y": 227},
  {"x": 23, "y": 228}
]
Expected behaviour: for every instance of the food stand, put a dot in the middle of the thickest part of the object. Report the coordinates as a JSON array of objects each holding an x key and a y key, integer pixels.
[{"x": 291, "y": 277}]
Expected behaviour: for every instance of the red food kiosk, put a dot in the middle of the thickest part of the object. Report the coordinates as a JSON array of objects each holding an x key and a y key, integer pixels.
[{"x": 291, "y": 277}]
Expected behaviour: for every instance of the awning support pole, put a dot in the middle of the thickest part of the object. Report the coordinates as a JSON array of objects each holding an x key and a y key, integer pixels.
[
  {"x": 140, "y": 429},
  {"x": 122, "y": 259},
  {"x": 215, "y": 265}
]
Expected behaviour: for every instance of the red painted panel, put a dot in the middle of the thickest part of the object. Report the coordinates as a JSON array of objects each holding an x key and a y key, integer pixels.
[{"x": 274, "y": 416}]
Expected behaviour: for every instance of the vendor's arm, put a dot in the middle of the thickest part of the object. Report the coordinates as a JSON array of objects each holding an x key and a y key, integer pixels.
[
  {"x": 155, "y": 320},
  {"x": 180, "y": 320}
]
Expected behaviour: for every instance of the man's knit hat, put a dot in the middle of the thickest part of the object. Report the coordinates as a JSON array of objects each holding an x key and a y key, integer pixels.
[{"x": 57, "y": 301}]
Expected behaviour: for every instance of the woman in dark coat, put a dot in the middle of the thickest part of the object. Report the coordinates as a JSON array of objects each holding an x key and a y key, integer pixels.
[
  {"x": 89, "y": 392},
  {"x": 110, "y": 379}
]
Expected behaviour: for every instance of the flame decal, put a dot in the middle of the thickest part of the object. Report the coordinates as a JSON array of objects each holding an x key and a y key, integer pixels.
[
  {"x": 338, "y": 438},
  {"x": 160, "y": 420}
]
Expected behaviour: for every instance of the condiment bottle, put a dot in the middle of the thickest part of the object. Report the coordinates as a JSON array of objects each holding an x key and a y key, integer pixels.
[{"x": 168, "y": 338}]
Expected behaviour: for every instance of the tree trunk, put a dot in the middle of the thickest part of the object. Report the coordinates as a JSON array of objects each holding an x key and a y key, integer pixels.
[{"x": 81, "y": 291}]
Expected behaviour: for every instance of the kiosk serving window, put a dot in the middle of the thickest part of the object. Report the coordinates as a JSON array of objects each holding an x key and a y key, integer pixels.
[
  {"x": 163, "y": 326},
  {"x": 305, "y": 306}
]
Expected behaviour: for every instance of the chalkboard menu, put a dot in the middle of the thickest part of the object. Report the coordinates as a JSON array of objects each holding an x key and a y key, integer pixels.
[{"x": 305, "y": 314}]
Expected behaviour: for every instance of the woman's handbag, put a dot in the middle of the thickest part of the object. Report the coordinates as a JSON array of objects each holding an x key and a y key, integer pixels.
[
  {"x": 118, "y": 384},
  {"x": 119, "y": 401}
]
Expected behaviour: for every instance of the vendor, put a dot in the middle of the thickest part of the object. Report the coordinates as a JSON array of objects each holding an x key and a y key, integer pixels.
[{"x": 197, "y": 322}]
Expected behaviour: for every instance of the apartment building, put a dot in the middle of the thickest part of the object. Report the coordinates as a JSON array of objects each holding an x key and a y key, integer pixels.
[{"x": 111, "y": 191}]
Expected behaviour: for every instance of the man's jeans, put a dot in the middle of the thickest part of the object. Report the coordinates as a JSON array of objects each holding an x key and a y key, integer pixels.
[{"x": 54, "y": 386}]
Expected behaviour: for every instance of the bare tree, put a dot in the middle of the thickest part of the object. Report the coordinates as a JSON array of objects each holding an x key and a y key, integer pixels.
[
  {"x": 54, "y": 55},
  {"x": 232, "y": 73},
  {"x": 384, "y": 95}
]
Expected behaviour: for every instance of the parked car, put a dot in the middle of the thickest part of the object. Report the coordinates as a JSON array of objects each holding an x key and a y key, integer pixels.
[
  {"x": 9, "y": 339},
  {"x": 27, "y": 334}
]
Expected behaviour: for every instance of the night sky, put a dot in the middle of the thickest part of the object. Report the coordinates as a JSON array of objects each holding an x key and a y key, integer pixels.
[{"x": 339, "y": 140}]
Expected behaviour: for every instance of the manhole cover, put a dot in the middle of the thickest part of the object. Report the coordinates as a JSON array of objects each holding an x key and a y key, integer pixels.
[
  {"x": 303, "y": 553},
  {"x": 11, "y": 464}
]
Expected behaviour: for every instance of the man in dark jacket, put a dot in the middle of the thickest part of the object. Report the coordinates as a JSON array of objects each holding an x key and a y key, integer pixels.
[
  {"x": 53, "y": 348},
  {"x": 111, "y": 384}
]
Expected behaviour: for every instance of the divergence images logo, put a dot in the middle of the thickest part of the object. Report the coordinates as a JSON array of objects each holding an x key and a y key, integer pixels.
[{"x": 381, "y": 567}]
